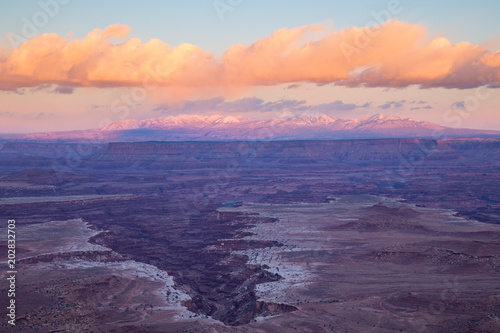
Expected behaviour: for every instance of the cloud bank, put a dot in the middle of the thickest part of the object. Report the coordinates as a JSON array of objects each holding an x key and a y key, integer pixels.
[
  {"x": 254, "y": 104},
  {"x": 395, "y": 54}
]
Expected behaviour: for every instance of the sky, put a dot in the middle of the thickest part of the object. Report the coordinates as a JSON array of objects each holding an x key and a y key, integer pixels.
[{"x": 68, "y": 64}]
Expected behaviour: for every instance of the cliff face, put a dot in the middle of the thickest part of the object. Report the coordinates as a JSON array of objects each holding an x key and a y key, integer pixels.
[
  {"x": 145, "y": 148},
  {"x": 386, "y": 151},
  {"x": 481, "y": 148},
  {"x": 44, "y": 149}
]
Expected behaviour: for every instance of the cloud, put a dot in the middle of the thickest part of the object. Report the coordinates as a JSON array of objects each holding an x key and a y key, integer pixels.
[
  {"x": 161, "y": 108},
  {"x": 191, "y": 106},
  {"x": 18, "y": 91},
  {"x": 249, "y": 104},
  {"x": 7, "y": 114},
  {"x": 63, "y": 90},
  {"x": 393, "y": 55},
  {"x": 337, "y": 106},
  {"x": 458, "y": 105},
  {"x": 40, "y": 115},
  {"x": 99, "y": 60},
  {"x": 392, "y": 104},
  {"x": 254, "y": 104},
  {"x": 427, "y": 107},
  {"x": 46, "y": 87}
]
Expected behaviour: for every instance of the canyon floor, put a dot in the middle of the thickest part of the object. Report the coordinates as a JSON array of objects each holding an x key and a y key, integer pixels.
[{"x": 352, "y": 236}]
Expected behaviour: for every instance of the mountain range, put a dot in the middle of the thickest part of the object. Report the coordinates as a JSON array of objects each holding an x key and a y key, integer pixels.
[{"x": 230, "y": 128}]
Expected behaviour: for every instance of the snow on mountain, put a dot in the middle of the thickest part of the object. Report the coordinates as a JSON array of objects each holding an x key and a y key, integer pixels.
[
  {"x": 304, "y": 126},
  {"x": 227, "y": 120},
  {"x": 308, "y": 126},
  {"x": 305, "y": 121},
  {"x": 123, "y": 125},
  {"x": 180, "y": 121}
]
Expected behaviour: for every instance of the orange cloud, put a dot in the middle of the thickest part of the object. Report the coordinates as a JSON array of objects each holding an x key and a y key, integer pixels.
[
  {"x": 395, "y": 54},
  {"x": 96, "y": 61}
]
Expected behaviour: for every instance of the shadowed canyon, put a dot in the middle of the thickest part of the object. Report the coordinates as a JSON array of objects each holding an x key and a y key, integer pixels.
[{"x": 377, "y": 235}]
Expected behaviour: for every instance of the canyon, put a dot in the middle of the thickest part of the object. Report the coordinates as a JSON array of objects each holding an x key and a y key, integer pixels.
[{"x": 376, "y": 235}]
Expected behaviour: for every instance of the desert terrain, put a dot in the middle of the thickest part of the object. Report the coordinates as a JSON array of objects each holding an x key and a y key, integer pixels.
[{"x": 283, "y": 236}]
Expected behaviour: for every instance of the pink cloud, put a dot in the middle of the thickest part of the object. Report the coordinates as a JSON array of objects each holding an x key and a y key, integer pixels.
[{"x": 395, "y": 54}]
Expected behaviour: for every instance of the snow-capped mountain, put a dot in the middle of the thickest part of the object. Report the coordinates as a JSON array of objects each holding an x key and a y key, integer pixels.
[
  {"x": 287, "y": 127},
  {"x": 308, "y": 121},
  {"x": 300, "y": 126},
  {"x": 313, "y": 126}
]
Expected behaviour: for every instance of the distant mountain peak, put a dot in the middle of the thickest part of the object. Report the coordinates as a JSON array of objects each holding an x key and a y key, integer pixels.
[
  {"x": 307, "y": 126},
  {"x": 228, "y": 120},
  {"x": 311, "y": 119},
  {"x": 379, "y": 117}
]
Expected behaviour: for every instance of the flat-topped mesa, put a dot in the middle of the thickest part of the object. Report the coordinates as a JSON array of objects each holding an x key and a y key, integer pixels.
[
  {"x": 202, "y": 153},
  {"x": 459, "y": 144},
  {"x": 142, "y": 148},
  {"x": 480, "y": 148},
  {"x": 385, "y": 150},
  {"x": 45, "y": 149}
]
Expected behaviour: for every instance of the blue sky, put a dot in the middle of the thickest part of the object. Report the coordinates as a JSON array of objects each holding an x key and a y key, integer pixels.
[{"x": 197, "y": 22}]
